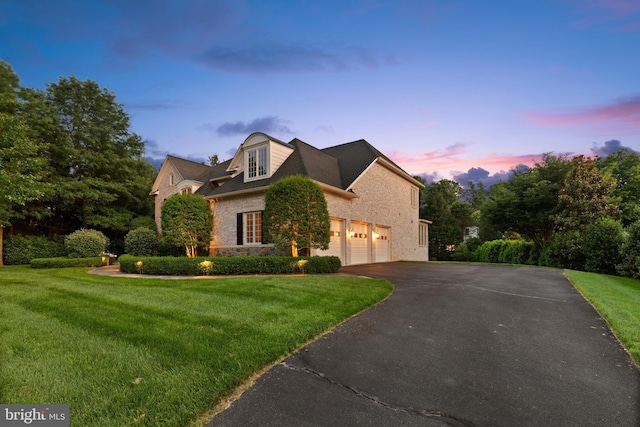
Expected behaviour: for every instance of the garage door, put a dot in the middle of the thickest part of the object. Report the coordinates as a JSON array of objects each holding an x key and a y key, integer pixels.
[
  {"x": 359, "y": 243},
  {"x": 336, "y": 240},
  {"x": 381, "y": 244}
]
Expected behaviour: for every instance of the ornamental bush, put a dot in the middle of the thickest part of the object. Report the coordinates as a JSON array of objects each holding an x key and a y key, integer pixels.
[
  {"x": 19, "y": 249},
  {"x": 85, "y": 243},
  {"x": 141, "y": 242}
]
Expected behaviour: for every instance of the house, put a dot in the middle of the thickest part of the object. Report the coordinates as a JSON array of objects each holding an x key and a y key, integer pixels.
[{"x": 373, "y": 204}]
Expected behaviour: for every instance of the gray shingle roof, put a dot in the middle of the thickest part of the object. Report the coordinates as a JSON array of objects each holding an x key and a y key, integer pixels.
[
  {"x": 188, "y": 169},
  {"x": 337, "y": 166}
]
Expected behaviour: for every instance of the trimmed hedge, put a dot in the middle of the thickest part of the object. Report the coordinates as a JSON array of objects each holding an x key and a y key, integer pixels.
[
  {"x": 66, "y": 262},
  {"x": 198, "y": 266},
  {"x": 507, "y": 252},
  {"x": 19, "y": 249}
]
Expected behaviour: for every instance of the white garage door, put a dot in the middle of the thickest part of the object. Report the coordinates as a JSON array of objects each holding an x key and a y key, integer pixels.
[
  {"x": 359, "y": 244},
  {"x": 381, "y": 244},
  {"x": 336, "y": 240}
]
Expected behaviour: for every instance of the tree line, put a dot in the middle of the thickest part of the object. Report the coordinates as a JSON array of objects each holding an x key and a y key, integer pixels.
[
  {"x": 577, "y": 212},
  {"x": 69, "y": 161}
]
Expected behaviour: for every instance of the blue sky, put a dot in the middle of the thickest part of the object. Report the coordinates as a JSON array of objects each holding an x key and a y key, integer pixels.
[{"x": 445, "y": 88}]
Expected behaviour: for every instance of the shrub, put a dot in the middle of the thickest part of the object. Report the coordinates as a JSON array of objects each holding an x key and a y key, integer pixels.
[
  {"x": 630, "y": 253},
  {"x": 534, "y": 256},
  {"x": 185, "y": 266},
  {"x": 601, "y": 246},
  {"x": 505, "y": 251},
  {"x": 461, "y": 253},
  {"x": 66, "y": 262},
  {"x": 85, "y": 243},
  {"x": 569, "y": 250},
  {"x": 489, "y": 251},
  {"x": 141, "y": 242},
  {"x": 22, "y": 249},
  {"x": 549, "y": 255}
]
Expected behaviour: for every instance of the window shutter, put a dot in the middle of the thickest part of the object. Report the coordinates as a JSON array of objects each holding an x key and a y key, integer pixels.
[
  {"x": 239, "y": 231},
  {"x": 263, "y": 230}
]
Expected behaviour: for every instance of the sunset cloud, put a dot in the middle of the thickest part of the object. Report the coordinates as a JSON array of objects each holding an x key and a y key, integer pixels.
[
  {"x": 624, "y": 111},
  {"x": 455, "y": 159},
  {"x": 623, "y": 15}
]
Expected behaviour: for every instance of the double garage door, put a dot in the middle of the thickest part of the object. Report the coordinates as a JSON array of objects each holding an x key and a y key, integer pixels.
[
  {"x": 363, "y": 242},
  {"x": 363, "y": 246}
]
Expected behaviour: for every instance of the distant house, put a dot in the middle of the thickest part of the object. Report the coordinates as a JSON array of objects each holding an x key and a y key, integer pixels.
[{"x": 373, "y": 204}]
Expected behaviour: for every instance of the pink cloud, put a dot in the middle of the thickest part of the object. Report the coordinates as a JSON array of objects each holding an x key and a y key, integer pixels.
[
  {"x": 624, "y": 13},
  {"x": 624, "y": 111},
  {"x": 451, "y": 160}
]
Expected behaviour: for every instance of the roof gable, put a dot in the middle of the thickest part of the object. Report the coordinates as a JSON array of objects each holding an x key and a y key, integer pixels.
[{"x": 337, "y": 167}]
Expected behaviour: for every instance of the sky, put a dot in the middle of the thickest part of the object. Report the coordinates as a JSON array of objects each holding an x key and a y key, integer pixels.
[{"x": 448, "y": 89}]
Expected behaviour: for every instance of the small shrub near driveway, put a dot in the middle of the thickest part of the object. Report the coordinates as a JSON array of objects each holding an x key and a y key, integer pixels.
[{"x": 85, "y": 244}]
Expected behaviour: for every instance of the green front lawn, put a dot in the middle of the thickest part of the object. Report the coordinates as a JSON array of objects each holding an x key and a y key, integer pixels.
[
  {"x": 617, "y": 299},
  {"x": 156, "y": 352}
]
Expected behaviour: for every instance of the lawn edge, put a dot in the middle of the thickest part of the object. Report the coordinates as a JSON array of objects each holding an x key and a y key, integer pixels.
[
  {"x": 635, "y": 362},
  {"x": 228, "y": 400}
]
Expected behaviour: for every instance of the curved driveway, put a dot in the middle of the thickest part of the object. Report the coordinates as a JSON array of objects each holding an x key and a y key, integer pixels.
[{"x": 458, "y": 345}]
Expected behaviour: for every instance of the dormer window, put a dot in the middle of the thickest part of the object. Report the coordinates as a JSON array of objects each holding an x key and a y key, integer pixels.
[{"x": 257, "y": 163}]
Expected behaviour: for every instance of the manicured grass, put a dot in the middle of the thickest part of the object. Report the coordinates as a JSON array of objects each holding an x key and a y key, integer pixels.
[
  {"x": 617, "y": 299},
  {"x": 156, "y": 352}
]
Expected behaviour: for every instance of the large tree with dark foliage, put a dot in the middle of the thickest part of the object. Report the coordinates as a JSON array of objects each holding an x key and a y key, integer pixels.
[
  {"x": 93, "y": 164},
  {"x": 19, "y": 170},
  {"x": 528, "y": 202},
  {"x": 441, "y": 203},
  {"x": 296, "y": 214}
]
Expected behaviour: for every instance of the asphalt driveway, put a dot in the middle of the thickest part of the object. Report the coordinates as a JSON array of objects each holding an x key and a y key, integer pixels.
[{"x": 458, "y": 345}]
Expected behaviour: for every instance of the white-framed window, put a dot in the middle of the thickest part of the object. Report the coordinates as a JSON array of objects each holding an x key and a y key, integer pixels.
[
  {"x": 186, "y": 190},
  {"x": 253, "y": 228},
  {"x": 257, "y": 163},
  {"x": 414, "y": 197},
  {"x": 423, "y": 236},
  {"x": 171, "y": 178}
]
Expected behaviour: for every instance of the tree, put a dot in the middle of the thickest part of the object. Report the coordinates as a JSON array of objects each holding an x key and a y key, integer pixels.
[
  {"x": 97, "y": 161},
  {"x": 441, "y": 204},
  {"x": 9, "y": 86},
  {"x": 296, "y": 214},
  {"x": 92, "y": 160},
  {"x": 213, "y": 159},
  {"x": 584, "y": 199},
  {"x": 187, "y": 221},
  {"x": 19, "y": 169},
  {"x": 585, "y": 196},
  {"x": 624, "y": 167},
  {"x": 528, "y": 202}
]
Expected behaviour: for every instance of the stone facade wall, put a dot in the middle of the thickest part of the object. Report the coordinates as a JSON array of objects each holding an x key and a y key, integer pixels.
[
  {"x": 224, "y": 217},
  {"x": 385, "y": 200}
]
